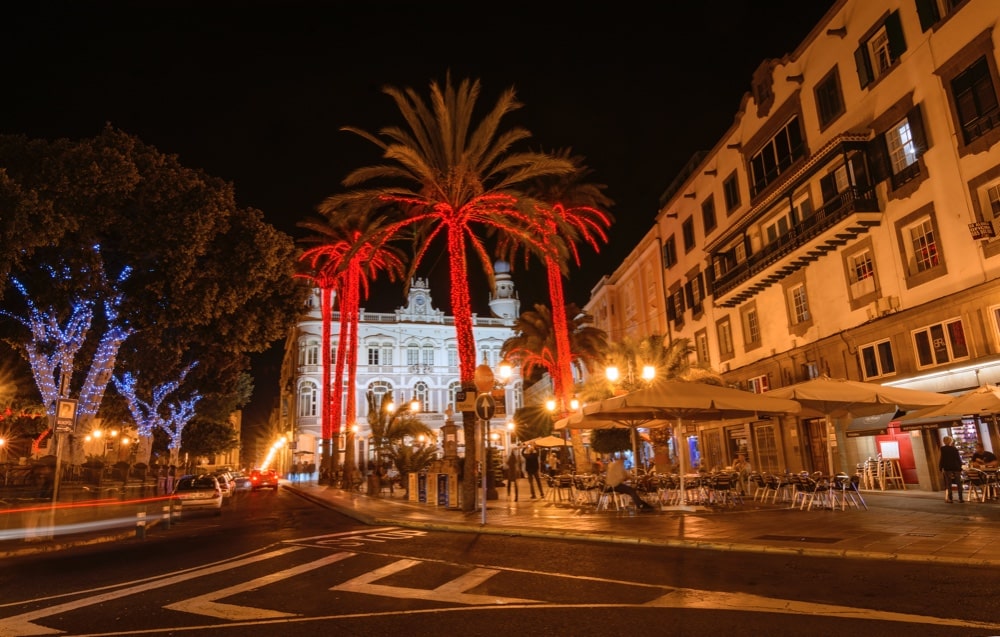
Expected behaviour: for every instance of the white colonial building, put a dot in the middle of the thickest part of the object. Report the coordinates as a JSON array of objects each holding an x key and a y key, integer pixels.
[
  {"x": 410, "y": 352},
  {"x": 845, "y": 224}
]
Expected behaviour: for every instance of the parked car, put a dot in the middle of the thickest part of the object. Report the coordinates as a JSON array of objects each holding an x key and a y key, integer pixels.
[
  {"x": 241, "y": 482},
  {"x": 264, "y": 479},
  {"x": 225, "y": 483},
  {"x": 198, "y": 493}
]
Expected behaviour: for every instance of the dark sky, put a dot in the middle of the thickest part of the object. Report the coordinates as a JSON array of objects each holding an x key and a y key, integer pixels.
[{"x": 256, "y": 92}]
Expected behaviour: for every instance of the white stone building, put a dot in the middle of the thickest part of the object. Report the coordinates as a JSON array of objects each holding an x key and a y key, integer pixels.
[
  {"x": 411, "y": 352},
  {"x": 845, "y": 224}
]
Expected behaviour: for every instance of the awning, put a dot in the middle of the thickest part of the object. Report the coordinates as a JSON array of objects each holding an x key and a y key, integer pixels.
[
  {"x": 931, "y": 422},
  {"x": 874, "y": 425}
]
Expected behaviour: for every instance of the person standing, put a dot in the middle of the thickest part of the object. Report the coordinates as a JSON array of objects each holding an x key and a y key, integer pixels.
[
  {"x": 513, "y": 471},
  {"x": 951, "y": 465},
  {"x": 532, "y": 467}
]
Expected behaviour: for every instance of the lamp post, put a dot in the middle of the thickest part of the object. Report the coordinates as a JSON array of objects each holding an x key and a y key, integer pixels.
[
  {"x": 484, "y": 380},
  {"x": 613, "y": 375}
]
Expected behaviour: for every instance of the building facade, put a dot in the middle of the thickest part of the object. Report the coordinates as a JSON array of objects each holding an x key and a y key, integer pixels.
[
  {"x": 411, "y": 352},
  {"x": 846, "y": 224}
]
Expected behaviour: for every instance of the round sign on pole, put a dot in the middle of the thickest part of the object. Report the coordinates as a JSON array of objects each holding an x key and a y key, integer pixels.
[{"x": 485, "y": 406}]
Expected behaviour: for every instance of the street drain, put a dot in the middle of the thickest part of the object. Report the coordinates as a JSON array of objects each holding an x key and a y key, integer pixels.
[{"x": 799, "y": 538}]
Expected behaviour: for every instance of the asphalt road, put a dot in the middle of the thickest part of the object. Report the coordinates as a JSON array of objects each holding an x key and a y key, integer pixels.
[{"x": 274, "y": 564}]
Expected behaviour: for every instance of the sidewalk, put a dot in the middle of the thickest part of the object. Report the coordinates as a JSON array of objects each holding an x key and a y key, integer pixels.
[{"x": 909, "y": 526}]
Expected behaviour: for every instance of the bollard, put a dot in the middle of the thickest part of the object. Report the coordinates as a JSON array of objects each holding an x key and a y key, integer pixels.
[
  {"x": 167, "y": 514},
  {"x": 140, "y": 525}
]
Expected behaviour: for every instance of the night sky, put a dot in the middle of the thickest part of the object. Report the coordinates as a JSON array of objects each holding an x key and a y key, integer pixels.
[{"x": 256, "y": 92}]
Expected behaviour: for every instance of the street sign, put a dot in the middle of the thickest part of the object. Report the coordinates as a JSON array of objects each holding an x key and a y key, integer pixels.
[
  {"x": 465, "y": 401},
  {"x": 65, "y": 415},
  {"x": 486, "y": 407}
]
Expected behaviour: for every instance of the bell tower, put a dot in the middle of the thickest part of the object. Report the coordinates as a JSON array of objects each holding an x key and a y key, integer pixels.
[{"x": 504, "y": 304}]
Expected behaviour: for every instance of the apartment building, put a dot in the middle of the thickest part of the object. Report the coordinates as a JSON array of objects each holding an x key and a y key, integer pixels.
[
  {"x": 845, "y": 224},
  {"x": 410, "y": 352}
]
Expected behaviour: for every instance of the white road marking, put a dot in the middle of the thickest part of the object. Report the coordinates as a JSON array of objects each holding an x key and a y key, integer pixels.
[
  {"x": 716, "y": 600},
  {"x": 453, "y": 591},
  {"x": 22, "y": 625},
  {"x": 206, "y": 604}
]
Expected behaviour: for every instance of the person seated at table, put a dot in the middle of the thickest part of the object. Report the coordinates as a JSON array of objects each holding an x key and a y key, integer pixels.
[
  {"x": 741, "y": 467},
  {"x": 615, "y": 480},
  {"x": 982, "y": 459}
]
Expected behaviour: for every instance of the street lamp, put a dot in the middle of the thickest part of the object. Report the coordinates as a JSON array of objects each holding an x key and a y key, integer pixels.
[{"x": 648, "y": 374}]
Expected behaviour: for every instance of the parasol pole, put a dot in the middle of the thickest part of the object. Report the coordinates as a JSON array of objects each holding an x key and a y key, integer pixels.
[{"x": 680, "y": 458}]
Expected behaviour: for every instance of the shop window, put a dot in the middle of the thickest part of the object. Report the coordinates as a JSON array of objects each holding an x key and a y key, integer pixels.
[
  {"x": 940, "y": 344},
  {"x": 877, "y": 360}
]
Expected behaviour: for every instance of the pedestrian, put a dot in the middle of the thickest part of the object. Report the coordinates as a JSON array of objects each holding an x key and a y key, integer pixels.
[
  {"x": 161, "y": 480},
  {"x": 951, "y": 466},
  {"x": 532, "y": 467},
  {"x": 552, "y": 460},
  {"x": 513, "y": 471},
  {"x": 741, "y": 467}
]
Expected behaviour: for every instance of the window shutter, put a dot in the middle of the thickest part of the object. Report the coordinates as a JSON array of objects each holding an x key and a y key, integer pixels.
[
  {"x": 701, "y": 285},
  {"x": 894, "y": 30},
  {"x": 828, "y": 188},
  {"x": 860, "y": 168},
  {"x": 878, "y": 152},
  {"x": 671, "y": 310},
  {"x": 710, "y": 282},
  {"x": 928, "y": 12},
  {"x": 688, "y": 294},
  {"x": 865, "y": 75},
  {"x": 916, "y": 120}
]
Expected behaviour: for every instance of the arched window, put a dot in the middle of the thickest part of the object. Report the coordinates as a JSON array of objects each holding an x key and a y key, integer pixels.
[
  {"x": 422, "y": 393},
  {"x": 379, "y": 389},
  {"x": 307, "y": 399},
  {"x": 453, "y": 388}
]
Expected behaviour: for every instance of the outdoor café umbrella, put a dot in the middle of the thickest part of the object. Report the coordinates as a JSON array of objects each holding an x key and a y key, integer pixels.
[
  {"x": 982, "y": 401},
  {"x": 600, "y": 415},
  {"x": 548, "y": 441},
  {"x": 842, "y": 398},
  {"x": 674, "y": 402}
]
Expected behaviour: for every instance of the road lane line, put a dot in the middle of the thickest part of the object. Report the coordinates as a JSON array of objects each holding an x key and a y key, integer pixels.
[
  {"x": 206, "y": 604},
  {"x": 22, "y": 625}
]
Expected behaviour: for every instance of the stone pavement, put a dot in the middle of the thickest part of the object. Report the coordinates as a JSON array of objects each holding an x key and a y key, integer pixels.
[{"x": 899, "y": 525}]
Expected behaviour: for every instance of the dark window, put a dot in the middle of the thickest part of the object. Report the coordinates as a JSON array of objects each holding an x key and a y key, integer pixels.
[
  {"x": 708, "y": 214},
  {"x": 688, "y": 230},
  {"x": 670, "y": 252},
  {"x": 976, "y": 100},
  {"x": 829, "y": 99},
  {"x": 931, "y": 11},
  {"x": 731, "y": 190},
  {"x": 776, "y": 156}
]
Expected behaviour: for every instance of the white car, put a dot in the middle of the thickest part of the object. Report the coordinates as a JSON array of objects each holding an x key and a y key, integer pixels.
[{"x": 198, "y": 492}]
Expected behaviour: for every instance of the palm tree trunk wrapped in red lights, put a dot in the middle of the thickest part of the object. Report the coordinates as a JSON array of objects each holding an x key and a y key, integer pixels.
[
  {"x": 448, "y": 181},
  {"x": 345, "y": 262}
]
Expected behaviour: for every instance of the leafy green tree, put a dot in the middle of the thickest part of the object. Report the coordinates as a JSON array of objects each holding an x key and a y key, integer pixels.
[
  {"x": 445, "y": 179},
  {"x": 207, "y": 276},
  {"x": 206, "y": 438}
]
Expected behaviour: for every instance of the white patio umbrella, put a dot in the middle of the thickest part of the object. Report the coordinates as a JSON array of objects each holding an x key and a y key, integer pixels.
[
  {"x": 840, "y": 397},
  {"x": 548, "y": 441},
  {"x": 674, "y": 402},
  {"x": 982, "y": 401}
]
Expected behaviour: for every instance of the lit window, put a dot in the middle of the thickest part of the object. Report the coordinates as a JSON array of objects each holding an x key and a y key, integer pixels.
[
  {"x": 758, "y": 384},
  {"x": 307, "y": 399},
  {"x": 861, "y": 273},
  {"x": 940, "y": 344},
  {"x": 923, "y": 246},
  {"x": 902, "y": 151}
]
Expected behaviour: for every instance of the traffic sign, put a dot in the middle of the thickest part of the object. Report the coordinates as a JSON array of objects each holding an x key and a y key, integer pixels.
[
  {"x": 465, "y": 401},
  {"x": 485, "y": 406}
]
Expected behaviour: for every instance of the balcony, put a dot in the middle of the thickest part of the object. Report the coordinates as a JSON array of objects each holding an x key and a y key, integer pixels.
[{"x": 843, "y": 218}]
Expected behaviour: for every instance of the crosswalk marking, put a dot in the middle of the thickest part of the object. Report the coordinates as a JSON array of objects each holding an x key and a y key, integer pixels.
[
  {"x": 206, "y": 604},
  {"x": 453, "y": 591}
]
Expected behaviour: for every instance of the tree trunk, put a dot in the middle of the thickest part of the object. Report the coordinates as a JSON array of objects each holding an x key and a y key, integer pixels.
[{"x": 469, "y": 481}]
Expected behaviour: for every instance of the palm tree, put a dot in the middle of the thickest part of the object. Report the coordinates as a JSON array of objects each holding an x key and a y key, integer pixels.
[
  {"x": 394, "y": 430},
  {"x": 566, "y": 212},
  {"x": 442, "y": 178},
  {"x": 533, "y": 347},
  {"x": 346, "y": 260}
]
